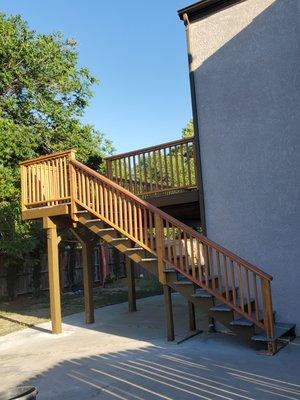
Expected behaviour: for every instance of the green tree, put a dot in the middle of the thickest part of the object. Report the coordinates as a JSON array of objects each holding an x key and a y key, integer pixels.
[
  {"x": 188, "y": 130},
  {"x": 43, "y": 95}
]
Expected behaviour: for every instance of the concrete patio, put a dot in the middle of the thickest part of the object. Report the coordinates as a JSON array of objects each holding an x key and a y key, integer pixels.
[{"x": 124, "y": 356}]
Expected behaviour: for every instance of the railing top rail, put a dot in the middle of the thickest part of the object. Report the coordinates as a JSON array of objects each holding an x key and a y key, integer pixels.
[
  {"x": 47, "y": 157},
  {"x": 174, "y": 221},
  {"x": 151, "y": 148}
]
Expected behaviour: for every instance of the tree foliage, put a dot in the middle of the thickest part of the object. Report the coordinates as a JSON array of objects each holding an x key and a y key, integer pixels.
[
  {"x": 43, "y": 95},
  {"x": 188, "y": 130}
]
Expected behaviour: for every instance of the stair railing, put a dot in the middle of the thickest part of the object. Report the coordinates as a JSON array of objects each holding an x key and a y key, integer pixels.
[
  {"x": 165, "y": 168},
  {"x": 246, "y": 289}
]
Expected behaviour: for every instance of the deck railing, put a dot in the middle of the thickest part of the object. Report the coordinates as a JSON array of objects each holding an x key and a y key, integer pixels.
[
  {"x": 161, "y": 169},
  {"x": 45, "y": 181},
  {"x": 51, "y": 180}
]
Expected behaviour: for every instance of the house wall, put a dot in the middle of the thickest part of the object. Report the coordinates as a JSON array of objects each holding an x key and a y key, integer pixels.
[{"x": 247, "y": 76}]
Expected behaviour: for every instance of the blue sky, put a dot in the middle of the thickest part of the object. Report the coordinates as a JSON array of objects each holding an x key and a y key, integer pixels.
[{"x": 137, "y": 50}]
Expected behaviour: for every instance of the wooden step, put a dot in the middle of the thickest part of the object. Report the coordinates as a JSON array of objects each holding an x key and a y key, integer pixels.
[
  {"x": 93, "y": 220},
  {"x": 149, "y": 259},
  {"x": 186, "y": 283},
  {"x": 118, "y": 240},
  {"x": 243, "y": 321},
  {"x": 202, "y": 294},
  {"x": 81, "y": 212},
  {"x": 226, "y": 308},
  {"x": 281, "y": 329},
  {"x": 133, "y": 249},
  {"x": 106, "y": 230}
]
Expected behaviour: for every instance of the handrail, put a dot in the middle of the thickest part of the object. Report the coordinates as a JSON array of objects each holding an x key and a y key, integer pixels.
[
  {"x": 159, "y": 169},
  {"x": 204, "y": 262},
  {"x": 150, "y": 148},
  {"x": 46, "y": 157},
  {"x": 171, "y": 219}
]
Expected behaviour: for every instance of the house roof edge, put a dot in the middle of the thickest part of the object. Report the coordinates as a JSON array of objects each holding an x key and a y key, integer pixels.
[{"x": 204, "y": 8}]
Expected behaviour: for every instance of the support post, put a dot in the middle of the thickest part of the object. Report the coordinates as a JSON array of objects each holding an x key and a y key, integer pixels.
[
  {"x": 131, "y": 285},
  {"x": 168, "y": 313},
  {"x": 192, "y": 318},
  {"x": 160, "y": 242},
  {"x": 53, "y": 271},
  {"x": 87, "y": 244},
  {"x": 87, "y": 264}
]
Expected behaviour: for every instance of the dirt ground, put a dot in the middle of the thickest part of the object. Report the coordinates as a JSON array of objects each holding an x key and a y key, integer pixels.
[{"x": 27, "y": 310}]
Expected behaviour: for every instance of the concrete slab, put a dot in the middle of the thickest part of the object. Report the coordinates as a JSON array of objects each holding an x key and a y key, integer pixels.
[{"x": 125, "y": 356}]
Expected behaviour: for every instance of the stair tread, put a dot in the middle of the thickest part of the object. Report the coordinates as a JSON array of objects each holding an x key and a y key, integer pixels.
[
  {"x": 225, "y": 307},
  {"x": 149, "y": 259},
  {"x": 243, "y": 321},
  {"x": 202, "y": 293},
  {"x": 134, "y": 249},
  {"x": 169, "y": 270},
  {"x": 183, "y": 283},
  {"x": 280, "y": 329},
  {"x": 221, "y": 307},
  {"x": 119, "y": 239}
]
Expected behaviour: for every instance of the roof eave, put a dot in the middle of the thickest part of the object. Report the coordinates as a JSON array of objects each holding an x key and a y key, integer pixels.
[{"x": 204, "y": 8}]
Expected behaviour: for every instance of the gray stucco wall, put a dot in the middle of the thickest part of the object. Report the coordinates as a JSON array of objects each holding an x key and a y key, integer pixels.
[{"x": 247, "y": 71}]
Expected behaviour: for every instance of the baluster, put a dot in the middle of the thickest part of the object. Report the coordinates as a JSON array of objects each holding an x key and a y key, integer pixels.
[
  {"x": 140, "y": 224},
  {"x": 192, "y": 256},
  {"x": 248, "y": 293},
  {"x": 135, "y": 221},
  {"x": 233, "y": 281},
  {"x": 211, "y": 268},
  {"x": 188, "y": 165},
  {"x": 120, "y": 206},
  {"x": 182, "y": 165},
  {"x": 145, "y": 173},
  {"x": 115, "y": 204},
  {"x": 162, "y": 175},
  {"x": 241, "y": 289},
  {"x": 145, "y": 224},
  {"x": 256, "y": 301},
  {"x": 134, "y": 173},
  {"x": 160, "y": 248},
  {"x": 226, "y": 278},
  {"x": 167, "y": 172},
  {"x": 178, "y": 179},
  {"x": 101, "y": 193},
  {"x": 125, "y": 208},
  {"x": 168, "y": 240},
  {"x": 130, "y": 217}
]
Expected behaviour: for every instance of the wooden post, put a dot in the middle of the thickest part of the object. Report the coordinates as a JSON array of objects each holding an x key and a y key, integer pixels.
[
  {"x": 53, "y": 271},
  {"x": 87, "y": 265},
  {"x": 268, "y": 316},
  {"x": 168, "y": 313},
  {"x": 192, "y": 318},
  {"x": 72, "y": 183},
  {"x": 131, "y": 285},
  {"x": 160, "y": 243}
]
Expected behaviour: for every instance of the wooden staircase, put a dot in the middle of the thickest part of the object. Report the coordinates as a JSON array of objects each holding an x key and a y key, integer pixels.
[{"x": 231, "y": 290}]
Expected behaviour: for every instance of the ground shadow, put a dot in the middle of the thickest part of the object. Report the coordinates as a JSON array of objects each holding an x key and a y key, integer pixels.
[{"x": 160, "y": 372}]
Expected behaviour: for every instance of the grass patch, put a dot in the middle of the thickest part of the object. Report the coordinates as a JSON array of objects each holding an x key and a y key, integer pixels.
[{"x": 27, "y": 311}]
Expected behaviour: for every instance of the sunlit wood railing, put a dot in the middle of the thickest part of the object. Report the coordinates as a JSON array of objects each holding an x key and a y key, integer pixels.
[
  {"x": 45, "y": 180},
  {"x": 165, "y": 168},
  {"x": 229, "y": 278}
]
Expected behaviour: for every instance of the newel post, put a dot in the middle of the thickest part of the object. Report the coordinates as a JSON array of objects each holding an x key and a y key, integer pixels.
[
  {"x": 72, "y": 184},
  {"x": 160, "y": 248},
  {"x": 268, "y": 315}
]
